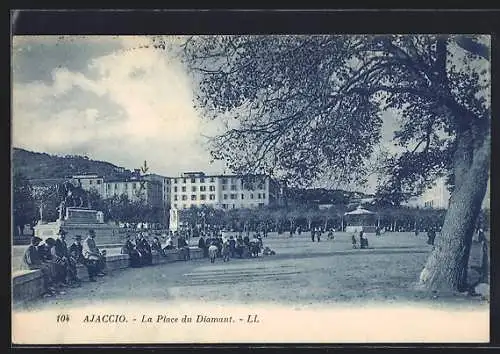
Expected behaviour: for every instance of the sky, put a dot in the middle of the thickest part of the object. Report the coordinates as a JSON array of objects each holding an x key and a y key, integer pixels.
[{"x": 110, "y": 99}]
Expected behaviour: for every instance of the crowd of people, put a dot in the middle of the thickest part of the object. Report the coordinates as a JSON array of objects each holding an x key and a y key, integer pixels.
[
  {"x": 218, "y": 245},
  {"x": 58, "y": 261},
  {"x": 140, "y": 249}
]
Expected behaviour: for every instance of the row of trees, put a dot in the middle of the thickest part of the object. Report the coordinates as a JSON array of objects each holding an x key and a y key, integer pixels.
[
  {"x": 397, "y": 218},
  {"x": 32, "y": 204}
]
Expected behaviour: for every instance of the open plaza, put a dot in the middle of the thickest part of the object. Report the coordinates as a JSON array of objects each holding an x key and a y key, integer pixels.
[{"x": 301, "y": 272}]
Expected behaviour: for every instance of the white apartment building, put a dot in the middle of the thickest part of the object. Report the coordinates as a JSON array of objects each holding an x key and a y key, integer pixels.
[{"x": 221, "y": 191}]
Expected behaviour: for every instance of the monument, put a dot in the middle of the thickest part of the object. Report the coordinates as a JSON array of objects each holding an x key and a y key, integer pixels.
[
  {"x": 76, "y": 219},
  {"x": 174, "y": 220}
]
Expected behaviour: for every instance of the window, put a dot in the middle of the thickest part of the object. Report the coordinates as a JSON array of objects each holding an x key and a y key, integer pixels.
[
  {"x": 233, "y": 187},
  {"x": 211, "y": 188},
  {"x": 224, "y": 181},
  {"x": 251, "y": 195},
  {"x": 203, "y": 197},
  {"x": 242, "y": 196},
  {"x": 183, "y": 188},
  {"x": 202, "y": 180},
  {"x": 193, "y": 189},
  {"x": 193, "y": 196},
  {"x": 175, "y": 197},
  {"x": 116, "y": 186},
  {"x": 224, "y": 206},
  {"x": 133, "y": 185},
  {"x": 175, "y": 189},
  {"x": 175, "y": 180},
  {"x": 233, "y": 196},
  {"x": 224, "y": 187},
  {"x": 184, "y": 197},
  {"x": 90, "y": 182},
  {"x": 225, "y": 196},
  {"x": 183, "y": 180},
  {"x": 263, "y": 195},
  {"x": 212, "y": 196},
  {"x": 183, "y": 206},
  {"x": 193, "y": 180},
  {"x": 212, "y": 179},
  {"x": 99, "y": 181},
  {"x": 234, "y": 206},
  {"x": 203, "y": 188},
  {"x": 258, "y": 196},
  {"x": 261, "y": 204}
]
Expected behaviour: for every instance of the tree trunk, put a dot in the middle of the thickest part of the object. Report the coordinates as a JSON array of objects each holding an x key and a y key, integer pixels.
[{"x": 446, "y": 267}]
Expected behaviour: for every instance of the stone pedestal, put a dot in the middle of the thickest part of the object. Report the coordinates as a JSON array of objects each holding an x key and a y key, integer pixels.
[{"x": 78, "y": 222}]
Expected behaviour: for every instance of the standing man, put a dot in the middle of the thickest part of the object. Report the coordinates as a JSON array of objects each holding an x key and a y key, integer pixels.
[
  {"x": 92, "y": 255},
  {"x": 201, "y": 244},
  {"x": 232, "y": 246}
]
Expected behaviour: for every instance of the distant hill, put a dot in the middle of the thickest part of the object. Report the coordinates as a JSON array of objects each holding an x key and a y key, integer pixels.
[
  {"x": 322, "y": 196},
  {"x": 36, "y": 165}
]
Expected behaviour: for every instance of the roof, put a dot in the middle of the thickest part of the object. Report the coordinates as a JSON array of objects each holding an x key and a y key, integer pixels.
[
  {"x": 222, "y": 176},
  {"x": 359, "y": 211}
]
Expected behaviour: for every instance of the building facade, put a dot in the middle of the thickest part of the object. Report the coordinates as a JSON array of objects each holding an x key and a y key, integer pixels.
[
  {"x": 90, "y": 181},
  {"x": 222, "y": 191},
  {"x": 436, "y": 197},
  {"x": 135, "y": 188}
]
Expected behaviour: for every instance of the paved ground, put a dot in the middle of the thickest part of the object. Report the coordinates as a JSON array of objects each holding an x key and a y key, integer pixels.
[{"x": 302, "y": 272}]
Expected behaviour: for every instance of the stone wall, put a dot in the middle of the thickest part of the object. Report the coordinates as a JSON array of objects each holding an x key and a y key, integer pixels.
[{"x": 28, "y": 284}]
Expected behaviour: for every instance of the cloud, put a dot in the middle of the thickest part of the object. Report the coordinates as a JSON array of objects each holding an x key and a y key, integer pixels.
[{"x": 135, "y": 105}]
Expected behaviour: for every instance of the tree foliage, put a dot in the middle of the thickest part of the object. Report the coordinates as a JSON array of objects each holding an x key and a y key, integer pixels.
[
  {"x": 23, "y": 203},
  {"x": 301, "y": 107}
]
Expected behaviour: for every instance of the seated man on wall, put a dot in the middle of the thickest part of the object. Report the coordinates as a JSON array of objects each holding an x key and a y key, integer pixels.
[
  {"x": 145, "y": 249},
  {"x": 59, "y": 253},
  {"x": 93, "y": 256},
  {"x": 32, "y": 260},
  {"x": 62, "y": 253},
  {"x": 184, "y": 248},
  {"x": 58, "y": 266},
  {"x": 156, "y": 246},
  {"x": 130, "y": 248}
]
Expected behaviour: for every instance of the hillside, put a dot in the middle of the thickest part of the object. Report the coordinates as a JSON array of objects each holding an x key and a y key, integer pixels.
[{"x": 35, "y": 165}]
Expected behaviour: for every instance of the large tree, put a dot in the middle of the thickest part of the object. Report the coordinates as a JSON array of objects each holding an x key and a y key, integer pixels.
[
  {"x": 305, "y": 107},
  {"x": 23, "y": 203}
]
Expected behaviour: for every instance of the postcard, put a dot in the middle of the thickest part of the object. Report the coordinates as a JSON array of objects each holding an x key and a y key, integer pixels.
[{"x": 250, "y": 188}]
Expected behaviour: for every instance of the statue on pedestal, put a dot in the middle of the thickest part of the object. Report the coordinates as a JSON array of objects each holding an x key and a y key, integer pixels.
[
  {"x": 73, "y": 196},
  {"x": 62, "y": 210}
]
